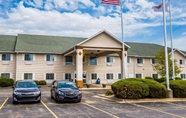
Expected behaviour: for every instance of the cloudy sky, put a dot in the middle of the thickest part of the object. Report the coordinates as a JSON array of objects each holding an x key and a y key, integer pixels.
[{"x": 84, "y": 18}]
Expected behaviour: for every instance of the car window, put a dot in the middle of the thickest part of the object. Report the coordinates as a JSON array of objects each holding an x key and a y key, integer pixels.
[
  {"x": 66, "y": 85},
  {"x": 26, "y": 85}
]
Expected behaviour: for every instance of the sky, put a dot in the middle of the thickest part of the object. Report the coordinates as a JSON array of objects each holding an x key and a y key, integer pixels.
[{"x": 85, "y": 18}]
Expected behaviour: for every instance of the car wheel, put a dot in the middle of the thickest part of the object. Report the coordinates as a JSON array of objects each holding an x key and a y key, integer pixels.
[
  {"x": 79, "y": 100},
  {"x": 14, "y": 102},
  {"x": 56, "y": 98},
  {"x": 51, "y": 96}
]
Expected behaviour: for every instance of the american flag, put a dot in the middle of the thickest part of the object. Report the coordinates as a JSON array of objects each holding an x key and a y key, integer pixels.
[{"x": 113, "y": 2}]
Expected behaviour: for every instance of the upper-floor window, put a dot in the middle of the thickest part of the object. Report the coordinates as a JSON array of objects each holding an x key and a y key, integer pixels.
[
  {"x": 49, "y": 57},
  {"x": 68, "y": 60},
  {"x": 155, "y": 76},
  {"x": 109, "y": 76},
  {"x": 183, "y": 76},
  {"x": 28, "y": 76},
  {"x": 28, "y": 57},
  {"x": 128, "y": 59},
  {"x": 153, "y": 61},
  {"x": 109, "y": 59},
  {"x": 138, "y": 76},
  {"x": 94, "y": 76},
  {"x": 5, "y": 75},
  {"x": 182, "y": 62},
  {"x": 93, "y": 60},
  {"x": 140, "y": 60},
  {"x": 6, "y": 57},
  {"x": 49, "y": 76}
]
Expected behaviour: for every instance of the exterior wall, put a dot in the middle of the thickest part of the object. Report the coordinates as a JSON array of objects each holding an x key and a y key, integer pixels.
[{"x": 8, "y": 66}]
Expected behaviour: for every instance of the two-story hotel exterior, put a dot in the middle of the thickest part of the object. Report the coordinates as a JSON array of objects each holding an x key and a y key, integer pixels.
[{"x": 40, "y": 57}]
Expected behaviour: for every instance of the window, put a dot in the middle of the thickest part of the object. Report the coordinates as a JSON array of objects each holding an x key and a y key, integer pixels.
[
  {"x": 27, "y": 76},
  {"x": 128, "y": 59},
  {"x": 155, "y": 76},
  {"x": 93, "y": 76},
  {"x": 28, "y": 57},
  {"x": 109, "y": 59},
  {"x": 93, "y": 61},
  {"x": 140, "y": 60},
  {"x": 183, "y": 76},
  {"x": 182, "y": 62},
  {"x": 50, "y": 76},
  {"x": 6, "y": 57},
  {"x": 153, "y": 61},
  {"x": 68, "y": 60},
  {"x": 119, "y": 76},
  {"x": 109, "y": 76},
  {"x": 68, "y": 76},
  {"x": 138, "y": 76},
  {"x": 49, "y": 57},
  {"x": 5, "y": 75}
]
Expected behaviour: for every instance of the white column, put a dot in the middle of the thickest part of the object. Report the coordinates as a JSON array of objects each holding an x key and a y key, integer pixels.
[{"x": 79, "y": 64}]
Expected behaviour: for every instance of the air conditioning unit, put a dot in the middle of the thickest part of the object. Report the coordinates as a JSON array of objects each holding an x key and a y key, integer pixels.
[
  {"x": 28, "y": 62},
  {"x": 109, "y": 64},
  {"x": 5, "y": 62},
  {"x": 182, "y": 66},
  {"x": 140, "y": 65}
]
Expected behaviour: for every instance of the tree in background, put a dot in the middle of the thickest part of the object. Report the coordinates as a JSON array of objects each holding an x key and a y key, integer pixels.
[{"x": 160, "y": 65}]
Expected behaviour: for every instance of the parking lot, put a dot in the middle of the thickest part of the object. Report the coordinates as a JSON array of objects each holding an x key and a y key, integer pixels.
[{"x": 92, "y": 106}]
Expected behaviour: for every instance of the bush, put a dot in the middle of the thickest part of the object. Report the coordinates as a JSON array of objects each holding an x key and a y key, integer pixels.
[
  {"x": 178, "y": 78},
  {"x": 130, "y": 88},
  {"x": 42, "y": 82},
  {"x": 4, "y": 82},
  {"x": 148, "y": 78},
  {"x": 108, "y": 92},
  {"x": 163, "y": 79},
  {"x": 37, "y": 82}
]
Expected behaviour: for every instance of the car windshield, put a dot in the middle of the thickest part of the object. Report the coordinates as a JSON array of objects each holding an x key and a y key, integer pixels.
[
  {"x": 26, "y": 85},
  {"x": 66, "y": 85}
]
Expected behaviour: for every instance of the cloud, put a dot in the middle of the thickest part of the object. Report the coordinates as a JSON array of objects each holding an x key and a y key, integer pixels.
[{"x": 178, "y": 43}]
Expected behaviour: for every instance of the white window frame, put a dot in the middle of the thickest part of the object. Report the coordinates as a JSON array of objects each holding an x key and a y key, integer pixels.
[
  {"x": 118, "y": 76},
  {"x": 182, "y": 62},
  {"x": 107, "y": 78},
  {"x": 154, "y": 61},
  {"x": 96, "y": 61},
  {"x": 28, "y": 76},
  {"x": 138, "y": 74},
  {"x": 50, "y": 79},
  {"x": 155, "y": 74},
  {"x": 54, "y": 58},
  {"x": 6, "y": 57},
  {"x": 6, "y": 75},
  {"x": 91, "y": 76},
  {"x": 140, "y": 62},
  {"x": 33, "y": 57},
  {"x": 68, "y": 78},
  {"x": 128, "y": 60},
  {"x": 183, "y": 77},
  {"x": 109, "y": 57},
  {"x": 68, "y": 63}
]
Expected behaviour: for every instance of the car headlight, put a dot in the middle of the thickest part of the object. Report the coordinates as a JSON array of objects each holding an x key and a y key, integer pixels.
[
  {"x": 37, "y": 92},
  {"x": 61, "y": 93},
  {"x": 16, "y": 93},
  {"x": 78, "y": 93}
]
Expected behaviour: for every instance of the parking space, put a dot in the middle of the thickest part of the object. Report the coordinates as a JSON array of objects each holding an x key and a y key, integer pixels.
[{"x": 91, "y": 106}]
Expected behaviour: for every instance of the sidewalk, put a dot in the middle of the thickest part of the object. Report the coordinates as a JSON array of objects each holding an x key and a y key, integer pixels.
[{"x": 95, "y": 87}]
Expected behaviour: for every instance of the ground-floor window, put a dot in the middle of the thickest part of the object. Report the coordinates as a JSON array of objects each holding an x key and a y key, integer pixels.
[
  {"x": 138, "y": 76},
  {"x": 5, "y": 75},
  {"x": 183, "y": 76},
  {"x": 68, "y": 76},
  {"x": 109, "y": 76},
  {"x": 49, "y": 76},
  {"x": 119, "y": 75},
  {"x": 28, "y": 76},
  {"x": 155, "y": 76},
  {"x": 94, "y": 76}
]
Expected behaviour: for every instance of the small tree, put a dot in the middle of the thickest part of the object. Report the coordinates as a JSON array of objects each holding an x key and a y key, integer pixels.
[{"x": 160, "y": 65}]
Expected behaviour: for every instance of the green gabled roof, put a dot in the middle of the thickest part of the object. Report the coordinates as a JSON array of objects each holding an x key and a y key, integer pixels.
[
  {"x": 45, "y": 44},
  {"x": 7, "y": 43},
  {"x": 143, "y": 49}
]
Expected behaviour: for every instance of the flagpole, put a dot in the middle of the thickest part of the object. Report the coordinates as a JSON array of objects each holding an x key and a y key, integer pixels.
[
  {"x": 123, "y": 49},
  {"x": 171, "y": 37},
  {"x": 165, "y": 40}
]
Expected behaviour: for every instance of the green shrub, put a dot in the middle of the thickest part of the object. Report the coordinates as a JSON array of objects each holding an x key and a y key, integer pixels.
[
  {"x": 178, "y": 78},
  {"x": 156, "y": 89},
  {"x": 108, "y": 92},
  {"x": 130, "y": 88},
  {"x": 160, "y": 80},
  {"x": 42, "y": 82},
  {"x": 36, "y": 81},
  {"x": 4, "y": 82},
  {"x": 148, "y": 78}
]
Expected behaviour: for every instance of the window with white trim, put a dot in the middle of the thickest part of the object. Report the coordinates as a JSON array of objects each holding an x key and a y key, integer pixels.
[
  {"x": 183, "y": 76},
  {"x": 109, "y": 76},
  {"x": 182, "y": 62},
  {"x": 68, "y": 76},
  {"x": 140, "y": 60},
  {"x": 109, "y": 59},
  {"x": 94, "y": 76},
  {"x": 155, "y": 76},
  {"x": 128, "y": 59},
  {"x": 153, "y": 61},
  {"x": 6, "y": 57},
  {"x": 28, "y": 76},
  {"x": 68, "y": 60},
  {"x": 49, "y": 76},
  {"x": 5, "y": 75},
  {"x": 28, "y": 57},
  {"x": 93, "y": 60},
  {"x": 119, "y": 75},
  {"x": 138, "y": 76},
  {"x": 49, "y": 57}
]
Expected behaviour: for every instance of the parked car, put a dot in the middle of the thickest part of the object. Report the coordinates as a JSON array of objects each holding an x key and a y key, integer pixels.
[
  {"x": 63, "y": 90},
  {"x": 26, "y": 91}
]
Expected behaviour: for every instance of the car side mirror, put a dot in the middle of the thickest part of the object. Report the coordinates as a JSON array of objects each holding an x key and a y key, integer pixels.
[
  {"x": 53, "y": 86},
  {"x": 13, "y": 87}
]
